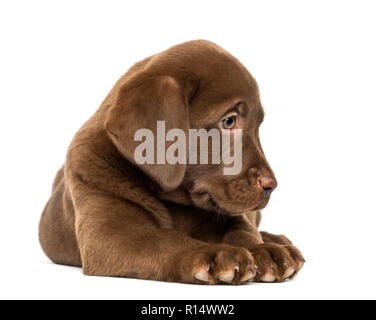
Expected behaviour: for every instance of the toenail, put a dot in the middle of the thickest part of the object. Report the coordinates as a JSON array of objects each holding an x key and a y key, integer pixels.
[
  {"x": 289, "y": 272},
  {"x": 203, "y": 276}
]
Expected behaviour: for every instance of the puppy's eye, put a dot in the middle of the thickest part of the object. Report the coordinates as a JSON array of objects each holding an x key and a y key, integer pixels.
[{"x": 228, "y": 123}]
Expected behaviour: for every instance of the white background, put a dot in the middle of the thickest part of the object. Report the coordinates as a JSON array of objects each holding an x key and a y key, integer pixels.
[{"x": 315, "y": 64}]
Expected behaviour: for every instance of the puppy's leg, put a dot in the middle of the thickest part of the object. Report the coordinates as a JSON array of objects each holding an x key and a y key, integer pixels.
[
  {"x": 118, "y": 238},
  {"x": 56, "y": 227},
  {"x": 276, "y": 258}
]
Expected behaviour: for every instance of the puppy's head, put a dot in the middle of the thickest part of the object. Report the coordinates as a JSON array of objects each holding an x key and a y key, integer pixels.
[{"x": 195, "y": 85}]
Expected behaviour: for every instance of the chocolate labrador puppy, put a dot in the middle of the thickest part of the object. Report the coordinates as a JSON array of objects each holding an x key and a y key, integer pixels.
[{"x": 179, "y": 222}]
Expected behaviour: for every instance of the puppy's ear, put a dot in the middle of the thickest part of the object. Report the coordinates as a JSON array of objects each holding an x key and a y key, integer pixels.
[{"x": 140, "y": 103}]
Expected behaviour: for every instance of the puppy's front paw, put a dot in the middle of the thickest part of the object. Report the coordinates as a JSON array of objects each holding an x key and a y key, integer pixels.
[
  {"x": 221, "y": 264},
  {"x": 276, "y": 262}
]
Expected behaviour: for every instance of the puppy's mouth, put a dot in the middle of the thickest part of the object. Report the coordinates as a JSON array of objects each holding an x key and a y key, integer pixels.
[
  {"x": 208, "y": 201},
  {"x": 213, "y": 203}
]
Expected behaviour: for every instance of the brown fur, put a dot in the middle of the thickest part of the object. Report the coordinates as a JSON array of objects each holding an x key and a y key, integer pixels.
[{"x": 165, "y": 222}]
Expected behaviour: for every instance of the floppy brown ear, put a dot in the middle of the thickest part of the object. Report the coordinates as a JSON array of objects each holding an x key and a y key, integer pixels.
[{"x": 140, "y": 103}]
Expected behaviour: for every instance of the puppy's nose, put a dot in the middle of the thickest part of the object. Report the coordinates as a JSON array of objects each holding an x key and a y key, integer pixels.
[{"x": 267, "y": 183}]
